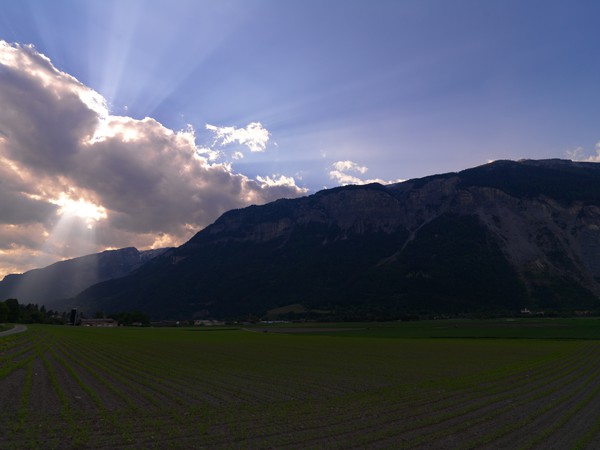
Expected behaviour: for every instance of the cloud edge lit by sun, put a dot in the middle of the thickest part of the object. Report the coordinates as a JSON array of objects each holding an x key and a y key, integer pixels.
[{"x": 135, "y": 181}]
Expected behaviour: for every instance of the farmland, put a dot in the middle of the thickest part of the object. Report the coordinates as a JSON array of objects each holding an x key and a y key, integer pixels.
[{"x": 446, "y": 384}]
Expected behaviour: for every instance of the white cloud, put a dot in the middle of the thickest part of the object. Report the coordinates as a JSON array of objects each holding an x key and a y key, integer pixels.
[
  {"x": 597, "y": 157},
  {"x": 208, "y": 153},
  {"x": 339, "y": 173},
  {"x": 575, "y": 154},
  {"x": 348, "y": 166},
  {"x": 136, "y": 181},
  {"x": 578, "y": 154},
  {"x": 277, "y": 180},
  {"x": 344, "y": 178},
  {"x": 254, "y": 136}
]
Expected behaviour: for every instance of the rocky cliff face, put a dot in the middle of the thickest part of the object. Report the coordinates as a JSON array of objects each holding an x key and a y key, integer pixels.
[
  {"x": 539, "y": 235},
  {"x": 494, "y": 238},
  {"x": 351, "y": 211}
]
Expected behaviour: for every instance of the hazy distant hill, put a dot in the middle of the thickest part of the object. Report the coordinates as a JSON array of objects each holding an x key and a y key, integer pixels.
[
  {"x": 50, "y": 285},
  {"x": 494, "y": 238}
]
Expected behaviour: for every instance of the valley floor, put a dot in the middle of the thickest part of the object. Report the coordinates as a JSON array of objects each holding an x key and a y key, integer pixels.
[{"x": 338, "y": 387}]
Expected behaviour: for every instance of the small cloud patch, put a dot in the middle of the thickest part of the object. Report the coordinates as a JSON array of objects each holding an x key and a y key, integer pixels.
[{"x": 347, "y": 172}]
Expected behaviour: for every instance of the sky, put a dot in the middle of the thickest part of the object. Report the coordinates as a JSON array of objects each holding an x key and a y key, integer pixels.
[{"x": 139, "y": 122}]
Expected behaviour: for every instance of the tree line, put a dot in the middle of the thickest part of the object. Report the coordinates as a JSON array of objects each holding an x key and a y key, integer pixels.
[{"x": 11, "y": 311}]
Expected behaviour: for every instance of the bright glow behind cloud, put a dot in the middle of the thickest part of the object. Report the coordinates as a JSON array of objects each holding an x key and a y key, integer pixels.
[
  {"x": 136, "y": 181},
  {"x": 81, "y": 208}
]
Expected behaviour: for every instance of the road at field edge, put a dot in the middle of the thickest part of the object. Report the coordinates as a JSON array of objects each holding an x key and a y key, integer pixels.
[{"x": 14, "y": 330}]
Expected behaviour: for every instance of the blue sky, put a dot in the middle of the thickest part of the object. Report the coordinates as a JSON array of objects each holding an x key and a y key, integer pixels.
[{"x": 338, "y": 91}]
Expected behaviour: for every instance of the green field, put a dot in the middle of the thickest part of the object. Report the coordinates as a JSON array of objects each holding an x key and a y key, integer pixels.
[{"x": 444, "y": 384}]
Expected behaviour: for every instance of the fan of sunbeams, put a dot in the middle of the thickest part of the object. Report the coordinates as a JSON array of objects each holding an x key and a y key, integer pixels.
[{"x": 74, "y": 233}]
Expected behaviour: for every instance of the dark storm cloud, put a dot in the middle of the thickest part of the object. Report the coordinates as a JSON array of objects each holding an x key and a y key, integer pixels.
[{"x": 19, "y": 209}]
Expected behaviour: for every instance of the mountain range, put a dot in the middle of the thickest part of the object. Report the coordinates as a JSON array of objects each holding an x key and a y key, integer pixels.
[
  {"x": 54, "y": 286},
  {"x": 494, "y": 239}
]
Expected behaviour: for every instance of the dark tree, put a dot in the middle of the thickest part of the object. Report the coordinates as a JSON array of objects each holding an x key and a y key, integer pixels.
[
  {"x": 13, "y": 314},
  {"x": 3, "y": 312}
]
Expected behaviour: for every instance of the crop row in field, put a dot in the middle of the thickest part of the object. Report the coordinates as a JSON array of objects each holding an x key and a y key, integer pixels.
[{"x": 66, "y": 387}]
